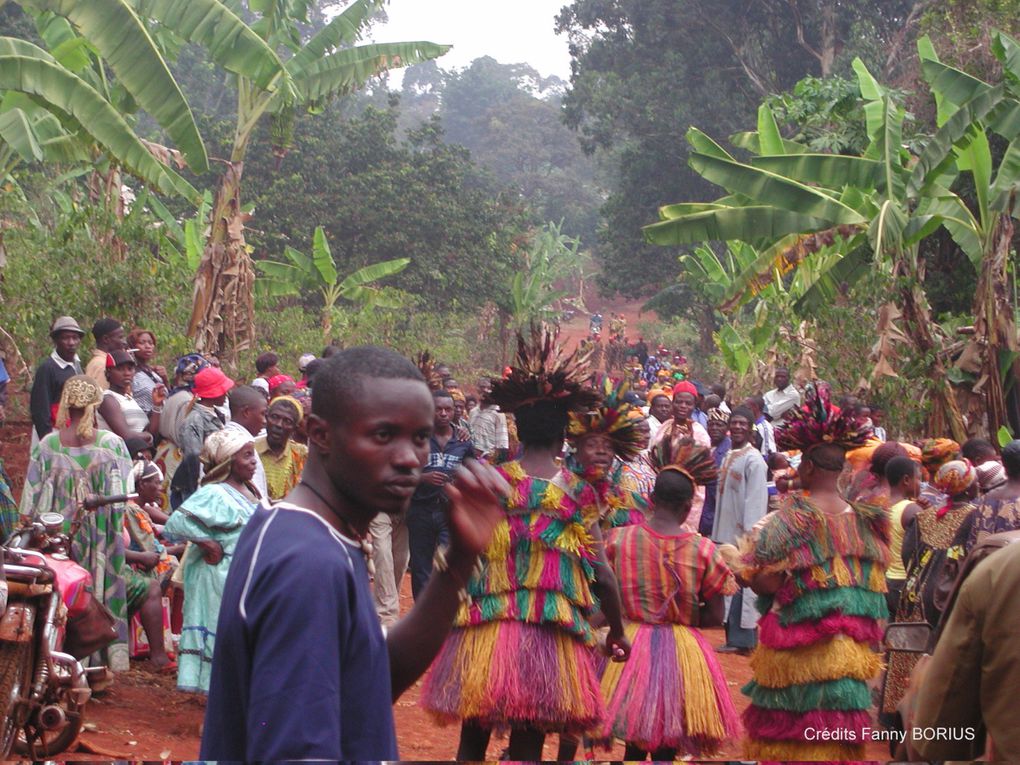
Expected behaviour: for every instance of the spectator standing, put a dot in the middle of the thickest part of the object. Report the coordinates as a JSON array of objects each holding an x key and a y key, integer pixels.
[
  {"x": 267, "y": 366},
  {"x": 148, "y": 376},
  {"x": 56, "y": 369},
  {"x": 282, "y": 458},
  {"x": 783, "y": 397},
  {"x": 426, "y": 517},
  {"x": 109, "y": 336},
  {"x": 248, "y": 416},
  {"x": 741, "y": 502},
  {"x": 488, "y": 427}
]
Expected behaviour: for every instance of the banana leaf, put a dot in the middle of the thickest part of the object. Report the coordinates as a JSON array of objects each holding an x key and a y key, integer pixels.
[
  {"x": 750, "y": 141},
  {"x": 57, "y": 86},
  {"x": 345, "y": 29},
  {"x": 953, "y": 137},
  {"x": 748, "y": 223},
  {"x": 832, "y": 171},
  {"x": 347, "y": 70},
  {"x": 702, "y": 143},
  {"x": 772, "y": 189},
  {"x": 222, "y": 33},
  {"x": 124, "y": 43}
]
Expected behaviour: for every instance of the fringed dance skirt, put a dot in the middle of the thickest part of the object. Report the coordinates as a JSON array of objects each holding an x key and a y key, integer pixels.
[
  {"x": 508, "y": 673},
  {"x": 671, "y": 692},
  {"x": 810, "y": 698}
]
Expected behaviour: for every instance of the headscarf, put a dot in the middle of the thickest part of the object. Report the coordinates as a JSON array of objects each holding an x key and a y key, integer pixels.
[
  {"x": 218, "y": 452},
  {"x": 991, "y": 475},
  {"x": 277, "y": 380},
  {"x": 80, "y": 392},
  {"x": 143, "y": 469},
  {"x": 953, "y": 479},
  {"x": 718, "y": 415},
  {"x": 291, "y": 401},
  {"x": 935, "y": 452},
  {"x": 188, "y": 366}
]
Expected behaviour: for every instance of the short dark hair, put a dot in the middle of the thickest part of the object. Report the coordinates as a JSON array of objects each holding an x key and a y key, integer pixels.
[
  {"x": 881, "y": 456},
  {"x": 313, "y": 367},
  {"x": 758, "y": 402},
  {"x": 330, "y": 350},
  {"x": 105, "y": 326},
  {"x": 826, "y": 456},
  {"x": 243, "y": 396},
  {"x": 978, "y": 450},
  {"x": 265, "y": 361},
  {"x": 899, "y": 468},
  {"x": 673, "y": 489},
  {"x": 442, "y": 393},
  {"x": 1011, "y": 458},
  {"x": 718, "y": 389},
  {"x": 341, "y": 378},
  {"x": 743, "y": 411}
]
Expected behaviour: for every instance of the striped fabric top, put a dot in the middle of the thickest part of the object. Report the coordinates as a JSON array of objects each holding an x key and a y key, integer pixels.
[{"x": 663, "y": 578}]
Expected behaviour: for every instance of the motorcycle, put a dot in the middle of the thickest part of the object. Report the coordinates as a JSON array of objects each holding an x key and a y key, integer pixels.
[{"x": 43, "y": 687}]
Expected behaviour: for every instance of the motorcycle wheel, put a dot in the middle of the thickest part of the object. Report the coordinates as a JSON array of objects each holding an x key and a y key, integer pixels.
[
  {"x": 50, "y": 743},
  {"x": 15, "y": 675}
]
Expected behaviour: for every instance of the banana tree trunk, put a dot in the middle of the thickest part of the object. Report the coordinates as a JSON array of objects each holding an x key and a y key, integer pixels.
[
  {"x": 995, "y": 325},
  {"x": 945, "y": 413},
  {"x": 223, "y": 313}
]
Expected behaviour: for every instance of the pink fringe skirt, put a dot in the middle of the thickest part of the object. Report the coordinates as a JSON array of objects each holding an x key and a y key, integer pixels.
[
  {"x": 670, "y": 693},
  {"x": 508, "y": 673}
]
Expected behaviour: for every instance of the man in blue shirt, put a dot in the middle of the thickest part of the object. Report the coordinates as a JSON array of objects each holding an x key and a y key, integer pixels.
[
  {"x": 426, "y": 520},
  {"x": 302, "y": 668}
]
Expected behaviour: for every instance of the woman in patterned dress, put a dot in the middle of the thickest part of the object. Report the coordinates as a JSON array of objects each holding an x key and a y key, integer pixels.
[{"x": 68, "y": 465}]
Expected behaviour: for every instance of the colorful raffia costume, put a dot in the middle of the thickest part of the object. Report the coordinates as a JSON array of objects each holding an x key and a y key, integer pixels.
[
  {"x": 671, "y": 692},
  {"x": 809, "y": 694},
  {"x": 519, "y": 653},
  {"x": 619, "y": 500}
]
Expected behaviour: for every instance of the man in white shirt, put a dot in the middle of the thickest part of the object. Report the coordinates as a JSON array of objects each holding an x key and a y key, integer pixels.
[
  {"x": 783, "y": 397},
  {"x": 248, "y": 415}
]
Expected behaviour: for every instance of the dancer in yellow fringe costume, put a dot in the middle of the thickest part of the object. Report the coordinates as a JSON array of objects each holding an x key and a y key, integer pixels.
[
  {"x": 519, "y": 656},
  {"x": 819, "y": 565}
]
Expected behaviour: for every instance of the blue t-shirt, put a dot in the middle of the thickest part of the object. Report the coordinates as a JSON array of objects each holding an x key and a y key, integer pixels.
[{"x": 301, "y": 670}]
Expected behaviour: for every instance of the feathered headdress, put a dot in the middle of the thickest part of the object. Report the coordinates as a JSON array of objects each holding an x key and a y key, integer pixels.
[
  {"x": 427, "y": 365},
  {"x": 541, "y": 372},
  {"x": 819, "y": 422},
  {"x": 613, "y": 419},
  {"x": 687, "y": 457}
]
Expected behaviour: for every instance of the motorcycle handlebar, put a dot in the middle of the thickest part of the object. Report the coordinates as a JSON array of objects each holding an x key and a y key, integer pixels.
[{"x": 91, "y": 503}]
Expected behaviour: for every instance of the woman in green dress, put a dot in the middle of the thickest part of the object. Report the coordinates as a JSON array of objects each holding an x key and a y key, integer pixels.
[
  {"x": 212, "y": 520},
  {"x": 69, "y": 464}
]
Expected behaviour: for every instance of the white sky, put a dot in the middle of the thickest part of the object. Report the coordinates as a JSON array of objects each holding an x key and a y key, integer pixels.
[{"x": 510, "y": 32}]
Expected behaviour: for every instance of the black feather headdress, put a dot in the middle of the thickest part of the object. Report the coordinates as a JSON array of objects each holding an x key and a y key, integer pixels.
[
  {"x": 541, "y": 371},
  {"x": 686, "y": 457}
]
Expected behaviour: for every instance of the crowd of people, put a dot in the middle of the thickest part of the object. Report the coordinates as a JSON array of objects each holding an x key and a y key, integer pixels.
[{"x": 568, "y": 535}]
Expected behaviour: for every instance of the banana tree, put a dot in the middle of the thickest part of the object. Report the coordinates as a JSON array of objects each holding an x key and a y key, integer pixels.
[
  {"x": 302, "y": 77},
  {"x": 969, "y": 111},
  {"x": 783, "y": 201},
  {"x": 301, "y": 273}
]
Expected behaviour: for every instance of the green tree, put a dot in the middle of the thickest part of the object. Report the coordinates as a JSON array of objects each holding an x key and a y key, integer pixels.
[
  {"x": 879, "y": 206},
  {"x": 645, "y": 70},
  {"x": 380, "y": 197},
  {"x": 319, "y": 69},
  {"x": 300, "y": 273}
]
